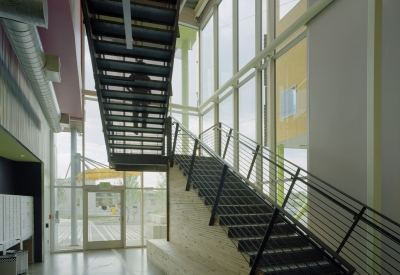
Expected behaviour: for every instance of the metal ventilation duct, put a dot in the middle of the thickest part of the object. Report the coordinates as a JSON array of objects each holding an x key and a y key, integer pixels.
[
  {"x": 33, "y": 12},
  {"x": 26, "y": 43}
]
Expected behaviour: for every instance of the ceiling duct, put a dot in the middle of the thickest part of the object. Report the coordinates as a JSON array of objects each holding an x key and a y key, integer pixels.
[
  {"x": 33, "y": 12},
  {"x": 26, "y": 43}
]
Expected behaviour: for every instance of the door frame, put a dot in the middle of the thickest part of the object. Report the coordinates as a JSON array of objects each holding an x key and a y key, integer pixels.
[{"x": 102, "y": 244}]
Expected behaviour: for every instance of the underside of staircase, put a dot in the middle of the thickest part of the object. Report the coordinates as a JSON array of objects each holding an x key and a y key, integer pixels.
[
  {"x": 245, "y": 217},
  {"x": 132, "y": 46}
]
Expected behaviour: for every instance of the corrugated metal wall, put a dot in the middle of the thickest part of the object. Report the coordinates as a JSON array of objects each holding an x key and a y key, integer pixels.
[
  {"x": 21, "y": 115},
  {"x": 20, "y": 112}
]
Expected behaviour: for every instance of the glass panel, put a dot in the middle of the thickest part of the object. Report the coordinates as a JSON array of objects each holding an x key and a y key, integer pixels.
[
  {"x": 89, "y": 79},
  {"x": 264, "y": 21},
  {"x": 291, "y": 127},
  {"x": 155, "y": 214},
  {"x": 133, "y": 213},
  {"x": 285, "y": 6},
  {"x": 104, "y": 216},
  {"x": 185, "y": 68},
  {"x": 206, "y": 61},
  {"x": 63, "y": 145},
  {"x": 246, "y": 31},
  {"x": 154, "y": 179},
  {"x": 208, "y": 120},
  {"x": 226, "y": 111},
  {"x": 225, "y": 41},
  {"x": 194, "y": 124},
  {"x": 288, "y": 11},
  {"x": 247, "y": 106},
  {"x": 96, "y": 162},
  {"x": 64, "y": 227},
  {"x": 291, "y": 75}
]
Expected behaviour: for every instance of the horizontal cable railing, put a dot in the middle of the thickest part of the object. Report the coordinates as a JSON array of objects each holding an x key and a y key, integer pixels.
[
  {"x": 235, "y": 181},
  {"x": 364, "y": 237}
]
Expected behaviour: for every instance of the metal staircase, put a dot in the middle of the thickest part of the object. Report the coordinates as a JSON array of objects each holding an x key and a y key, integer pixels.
[
  {"x": 132, "y": 47},
  {"x": 282, "y": 219}
]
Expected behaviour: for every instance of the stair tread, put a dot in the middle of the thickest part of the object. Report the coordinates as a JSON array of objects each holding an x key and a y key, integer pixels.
[
  {"x": 114, "y": 29},
  {"x": 134, "y": 129},
  {"x": 133, "y": 108},
  {"x": 128, "y": 146},
  {"x": 111, "y": 94},
  {"x": 120, "y": 81},
  {"x": 285, "y": 267},
  {"x": 121, "y": 118},
  {"x": 132, "y": 67},
  {"x": 139, "y": 11},
  {"x": 139, "y": 52},
  {"x": 135, "y": 138}
]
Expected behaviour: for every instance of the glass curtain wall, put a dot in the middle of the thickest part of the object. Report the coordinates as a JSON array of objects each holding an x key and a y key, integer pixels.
[
  {"x": 290, "y": 89},
  {"x": 247, "y": 34},
  {"x": 67, "y": 195},
  {"x": 206, "y": 60},
  {"x": 225, "y": 41}
]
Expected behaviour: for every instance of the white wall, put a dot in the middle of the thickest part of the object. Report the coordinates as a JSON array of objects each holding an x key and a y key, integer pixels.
[
  {"x": 337, "y": 74},
  {"x": 391, "y": 109}
]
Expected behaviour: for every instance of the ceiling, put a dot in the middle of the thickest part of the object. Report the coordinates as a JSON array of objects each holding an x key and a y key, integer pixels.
[{"x": 11, "y": 149}]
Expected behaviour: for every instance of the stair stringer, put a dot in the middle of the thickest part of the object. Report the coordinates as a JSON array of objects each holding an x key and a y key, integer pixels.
[{"x": 188, "y": 227}]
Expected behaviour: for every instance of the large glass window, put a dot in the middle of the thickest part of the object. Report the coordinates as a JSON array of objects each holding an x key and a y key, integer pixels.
[
  {"x": 185, "y": 64},
  {"x": 88, "y": 70},
  {"x": 246, "y": 31},
  {"x": 291, "y": 120},
  {"x": 247, "y": 106},
  {"x": 226, "y": 111},
  {"x": 225, "y": 41},
  {"x": 67, "y": 194},
  {"x": 288, "y": 11},
  {"x": 208, "y": 120},
  {"x": 206, "y": 61},
  {"x": 155, "y": 205}
]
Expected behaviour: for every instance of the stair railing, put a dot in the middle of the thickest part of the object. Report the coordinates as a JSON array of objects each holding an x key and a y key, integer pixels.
[
  {"x": 364, "y": 237},
  {"x": 194, "y": 155}
]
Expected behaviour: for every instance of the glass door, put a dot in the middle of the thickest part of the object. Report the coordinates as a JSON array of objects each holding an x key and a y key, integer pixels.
[{"x": 104, "y": 219}]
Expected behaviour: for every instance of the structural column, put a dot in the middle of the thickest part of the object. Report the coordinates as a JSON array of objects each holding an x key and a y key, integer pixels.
[
  {"x": 270, "y": 99},
  {"x": 374, "y": 129},
  {"x": 259, "y": 86},
  {"x": 185, "y": 88},
  {"x": 74, "y": 217}
]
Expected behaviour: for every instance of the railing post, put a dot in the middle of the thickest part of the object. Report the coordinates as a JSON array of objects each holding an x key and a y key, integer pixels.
[
  {"x": 169, "y": 137},
  {"x": 265, "y": 241},
  {"x": 173, "y": 147},
  {"x": 218, "y": 130},
  {"x": 220, "y": 186},
  {"x": 356, "y": 219},
  {"x": 227, "y": 143},
  {"x": 296, "y": 176},
  {"x": 192, "y": 164},
  {"x": 254, "y": 160},
  {"x": 271, "y": 225}
]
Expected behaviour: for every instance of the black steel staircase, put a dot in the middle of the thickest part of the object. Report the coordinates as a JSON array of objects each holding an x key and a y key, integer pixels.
[
  {"x": 283, "y": 219},
  {"x": 246, "y": 218},
  {"x": 133, "y": 80}
]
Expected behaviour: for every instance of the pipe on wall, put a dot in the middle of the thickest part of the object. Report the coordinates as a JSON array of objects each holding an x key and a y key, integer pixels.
[{"x": 19, "y": 19}]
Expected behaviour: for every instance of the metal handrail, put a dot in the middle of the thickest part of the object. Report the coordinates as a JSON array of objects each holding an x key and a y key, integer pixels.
[
  {"x": 379, "y": 223},
  {"x": 286, "y": 215},
  {"x": 312, "y": 175}
]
